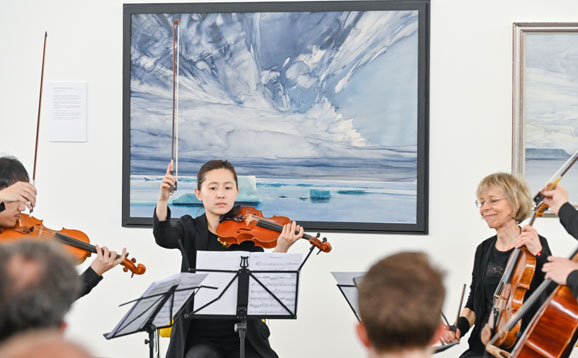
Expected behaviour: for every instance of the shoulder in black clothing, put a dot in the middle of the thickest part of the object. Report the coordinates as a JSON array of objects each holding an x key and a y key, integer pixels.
[{"x": 569, "y": 219}]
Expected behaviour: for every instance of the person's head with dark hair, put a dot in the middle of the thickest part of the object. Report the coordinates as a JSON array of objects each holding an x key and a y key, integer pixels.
[
  {"x": 16, "y": 193},
  {"x": 213, "y": 165},
  {"x": 11, "y": 171},
  {"x": 38, "y": 284},
  {"x": 400, "y": 303},
  {"x": 217, "y": 187}
]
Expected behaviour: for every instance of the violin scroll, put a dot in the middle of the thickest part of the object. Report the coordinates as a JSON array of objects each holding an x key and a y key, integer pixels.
[
  {"x": 322, "y": 245},
  {"x": 129, "y": 264}
]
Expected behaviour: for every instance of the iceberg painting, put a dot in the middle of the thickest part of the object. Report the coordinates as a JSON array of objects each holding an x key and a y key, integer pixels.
[
  {"x": 322, "y": 105},
  {"x": 546, "y": 124}
]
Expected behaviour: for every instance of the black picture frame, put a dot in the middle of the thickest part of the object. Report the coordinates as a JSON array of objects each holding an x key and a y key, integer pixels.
[{"x": 418, "y": 165}]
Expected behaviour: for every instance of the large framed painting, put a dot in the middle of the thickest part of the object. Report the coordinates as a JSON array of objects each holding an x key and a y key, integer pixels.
[
  {"x": 545, "y": 122},
  {"x": 322, "y": 107}
]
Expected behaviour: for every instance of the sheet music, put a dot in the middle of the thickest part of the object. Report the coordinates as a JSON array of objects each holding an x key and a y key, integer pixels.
[
  {"x": 284, "y": 285},
  {"x": 186, "y": 280},
  {"x": 213, "y": 260},
  {"x": 139, "y": 314}
]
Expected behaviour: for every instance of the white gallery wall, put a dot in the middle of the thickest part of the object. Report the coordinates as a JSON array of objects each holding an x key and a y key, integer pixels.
[{"x": 79, "y": 184}]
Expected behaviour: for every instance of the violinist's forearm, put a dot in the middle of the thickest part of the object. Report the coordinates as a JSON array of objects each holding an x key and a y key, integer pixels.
[{"x": 161, "y": 209}]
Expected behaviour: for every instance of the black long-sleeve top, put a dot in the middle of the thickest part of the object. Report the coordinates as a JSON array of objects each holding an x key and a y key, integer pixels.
[
  {"x": 89, "y": 279},
  {"x": 569, "y": 219},
  {"x": 194, "y": 236},
  {"x": 478, "y": 298}
]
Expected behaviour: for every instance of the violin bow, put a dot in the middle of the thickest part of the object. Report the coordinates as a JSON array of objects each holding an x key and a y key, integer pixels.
[
  {"x": 454, "y": 326},
  {"x": 39, "y": 108},
  {"x": 551, "y": 183},
  {"x": 175, "y": 130},
  {"x": 460, "y": 306}
]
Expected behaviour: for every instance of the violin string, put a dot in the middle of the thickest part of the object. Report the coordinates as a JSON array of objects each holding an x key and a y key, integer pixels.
[
  {"x": 75, "y": 242},
  {"x": 67, "y": 239},
  {"x": 268, "y": 224},
  {"x": 79, "y": 244}
]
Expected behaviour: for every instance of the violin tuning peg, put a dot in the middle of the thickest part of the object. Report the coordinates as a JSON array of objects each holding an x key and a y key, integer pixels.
[
  {"x": 125, "y": 269},
  {"x": 133, "y": 260}
]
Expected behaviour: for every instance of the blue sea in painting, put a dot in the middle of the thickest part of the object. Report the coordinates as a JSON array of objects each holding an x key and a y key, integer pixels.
[
  {"x": 367, "y": 202},
  {"x": 320, "y": 107}
]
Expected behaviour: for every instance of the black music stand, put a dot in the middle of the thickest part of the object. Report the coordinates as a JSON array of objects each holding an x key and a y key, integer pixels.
[
  {"x": 347, "y": 284},
  {"x": 275, "y": 291},
  {"x": 162, "y": 302}
]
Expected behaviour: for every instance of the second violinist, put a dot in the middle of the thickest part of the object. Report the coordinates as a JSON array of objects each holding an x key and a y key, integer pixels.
[
  {"x": 12, "y": 173},
  {"x": 504, "y": 202},
  {"x": 217, "y": 189}
]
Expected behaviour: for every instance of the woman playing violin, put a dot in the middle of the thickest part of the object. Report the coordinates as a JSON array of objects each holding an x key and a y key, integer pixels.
[
  {"x": 217, "y": 189},
  {"x": 14, "y": 176},
  {"x": 504, "y": 201}
]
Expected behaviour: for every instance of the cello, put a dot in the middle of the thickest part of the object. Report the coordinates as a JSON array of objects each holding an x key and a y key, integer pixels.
[
  {"x": 553, "y": 330},
  {"x": 510, "y": 293}
]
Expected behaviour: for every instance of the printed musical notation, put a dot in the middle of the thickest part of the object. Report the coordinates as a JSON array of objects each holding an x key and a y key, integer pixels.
[{"x": 282, "y": 283}]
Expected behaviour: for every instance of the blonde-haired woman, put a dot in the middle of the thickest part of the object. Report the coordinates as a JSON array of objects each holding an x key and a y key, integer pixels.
[{"x": 504, "y": 201}]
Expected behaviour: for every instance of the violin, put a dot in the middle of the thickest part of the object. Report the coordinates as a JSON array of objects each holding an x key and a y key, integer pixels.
[
  {"x": 77, "y": 243},
  {"x": 248, "y": 224}
]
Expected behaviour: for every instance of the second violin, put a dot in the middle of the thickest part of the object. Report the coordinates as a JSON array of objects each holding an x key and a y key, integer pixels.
[
  {"x": 76, "y": 241},
  {"x": 248, "y": 224}
]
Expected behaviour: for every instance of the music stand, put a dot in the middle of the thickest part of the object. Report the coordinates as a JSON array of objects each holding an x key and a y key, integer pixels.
[
  {"x": 162, "y": 302},
  {"x": 347, "y": 284},
  {"x": 251, "y": 285}
]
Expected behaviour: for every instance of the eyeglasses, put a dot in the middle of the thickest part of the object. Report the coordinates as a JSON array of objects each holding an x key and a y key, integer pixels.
[{"x": 491, "y": 202}]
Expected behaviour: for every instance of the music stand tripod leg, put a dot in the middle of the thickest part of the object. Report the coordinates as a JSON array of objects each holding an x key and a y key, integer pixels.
[
  {"x": 152, "y": 341},
  {"x": 241, "y": 327},
  {"x": 242, "y": 303}
]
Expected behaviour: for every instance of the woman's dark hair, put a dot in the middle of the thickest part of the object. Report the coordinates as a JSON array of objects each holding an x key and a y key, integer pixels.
[
  {"x": 11, "y": 171},
  {"x": 212, "y": 165}
]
